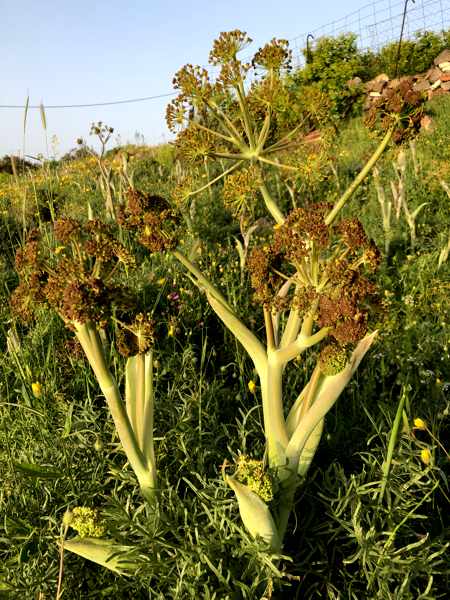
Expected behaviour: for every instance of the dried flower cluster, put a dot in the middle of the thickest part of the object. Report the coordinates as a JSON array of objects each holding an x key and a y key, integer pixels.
[
  {"x": 400, "y": 106},
  {"x": 137, "y": 336},
  {"x": 156, "y": 222},
  {"x": 325, "y": 266},
  {"x": 77, "y": 279}
]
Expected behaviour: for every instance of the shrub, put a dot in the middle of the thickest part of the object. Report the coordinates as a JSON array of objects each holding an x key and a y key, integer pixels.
[{"x": 329, "y": 66}]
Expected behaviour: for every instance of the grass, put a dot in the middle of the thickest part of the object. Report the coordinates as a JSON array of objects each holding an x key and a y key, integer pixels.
[{"x": 347, "y": 539}]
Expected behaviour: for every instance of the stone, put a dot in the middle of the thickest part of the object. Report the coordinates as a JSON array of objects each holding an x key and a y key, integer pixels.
[
  {"x": 374, "y": 94},
  {"x": 433, "y": 74},
  {"x": 355, "y": 82},
  {"x": 379, "y": 86},
  {"x": 434, "y": 93},
  {"x": 442, "y": 57},
  {"x": 393, "y": 83},
  {"x": 382, "y": 77},
  {"x": 445, "y": 67},
  {"x": 421, "y": 85},
  {"x": 426, "y": 123},
  {"x": 445, "y": 85},
  {"x": 435, "y": 85}
]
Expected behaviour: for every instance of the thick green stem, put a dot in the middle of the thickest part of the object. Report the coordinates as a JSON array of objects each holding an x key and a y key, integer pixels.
[
  {"x": 130, "y": 391},
  {"x": 274, "y": 422},
  {"x": 271, "y": 205},
  {"x": 147, "y": 447},
  {"x": 270, "y": 335},
  {"x": 284, "y": 509},
  {"x": 302, "y": 342},
  {"x": 359, "y": 178},
  {"x": 226, "y": 124},
  {"x": 274, "y": 163},
  {"x": 245, "y": 113},
  {"x": 92, "y": 346},
  {"x": 264, "y": 132},
  {"x": 201, "y": 280},
  {"x": 140, "y": 398}
]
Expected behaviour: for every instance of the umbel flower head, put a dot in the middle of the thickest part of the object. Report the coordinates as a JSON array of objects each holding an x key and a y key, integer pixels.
[
  {"x": 136, "y": 337},
  {"x": 156, "y": 222},
  {"x": 79, "y": 280},
  {"x": 401, "y": 107},
  {"x": 224, "y": 118},
  {"x": 326, "y": 267}
]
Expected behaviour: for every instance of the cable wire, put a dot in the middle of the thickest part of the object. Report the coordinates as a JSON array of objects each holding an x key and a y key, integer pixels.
[{"x": 144, "y": 99}]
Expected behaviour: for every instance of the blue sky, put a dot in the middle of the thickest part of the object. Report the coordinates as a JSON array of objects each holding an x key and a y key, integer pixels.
[{"x": 96, "y": 51}]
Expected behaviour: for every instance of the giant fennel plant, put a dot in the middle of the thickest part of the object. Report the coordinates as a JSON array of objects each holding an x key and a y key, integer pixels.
[{"x": 313, "y": 277}]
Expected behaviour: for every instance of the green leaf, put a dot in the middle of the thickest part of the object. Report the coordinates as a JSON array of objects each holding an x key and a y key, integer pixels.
[
  {"x": 68, "y": 422},
  {"x": 417, "y": 211},
  {"x": 106, "y": 553},
  {"x": 38, "y": 471}
]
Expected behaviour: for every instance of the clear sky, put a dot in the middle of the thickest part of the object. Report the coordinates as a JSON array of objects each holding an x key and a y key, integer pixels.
[{"x": 84, "y": 51}]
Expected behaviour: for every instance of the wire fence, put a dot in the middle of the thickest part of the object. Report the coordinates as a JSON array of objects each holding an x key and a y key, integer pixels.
[
  {"x": 379, "y": 23},
  {"x": 375, "y": 25}
]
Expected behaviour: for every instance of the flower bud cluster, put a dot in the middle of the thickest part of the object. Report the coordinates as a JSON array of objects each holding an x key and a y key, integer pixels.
[
  {"x": 333, "y": 358},
  {"x": 274, "y": 56},
  {"x": 251, "y": 472},
  {"x": 227, "y": 45},
  {"x": 86, "y": 521},
  {"x": 194, "y": 144}
]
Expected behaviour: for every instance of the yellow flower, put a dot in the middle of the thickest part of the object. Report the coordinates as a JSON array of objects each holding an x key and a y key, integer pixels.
[
  {"x": 171, "y": 331},
  {"x": 59, "y": 249},
  {"x": 252, "y": 386},
  {"x": 161, "y": 281},
  {"x": 37, "y": 389},
  {"x": 425, "y": 456},
  {"x": 420, "y": 424}
]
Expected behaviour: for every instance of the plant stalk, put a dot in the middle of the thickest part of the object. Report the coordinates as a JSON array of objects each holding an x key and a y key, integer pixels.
[{"x": 359, "y": 178}]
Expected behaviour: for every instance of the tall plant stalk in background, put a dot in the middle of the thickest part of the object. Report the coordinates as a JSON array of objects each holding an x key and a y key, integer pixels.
[{"x": 106, "y": 178}]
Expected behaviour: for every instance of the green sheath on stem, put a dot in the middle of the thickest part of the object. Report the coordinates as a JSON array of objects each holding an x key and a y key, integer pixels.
[{"x": 92, "y": 346}]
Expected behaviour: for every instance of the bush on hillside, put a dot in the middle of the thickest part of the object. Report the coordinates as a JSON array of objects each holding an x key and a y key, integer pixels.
[{"x": 330, "y": 64}]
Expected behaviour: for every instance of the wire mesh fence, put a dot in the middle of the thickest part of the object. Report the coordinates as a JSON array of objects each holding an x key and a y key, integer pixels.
[{"x": 379, "y": 23}]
